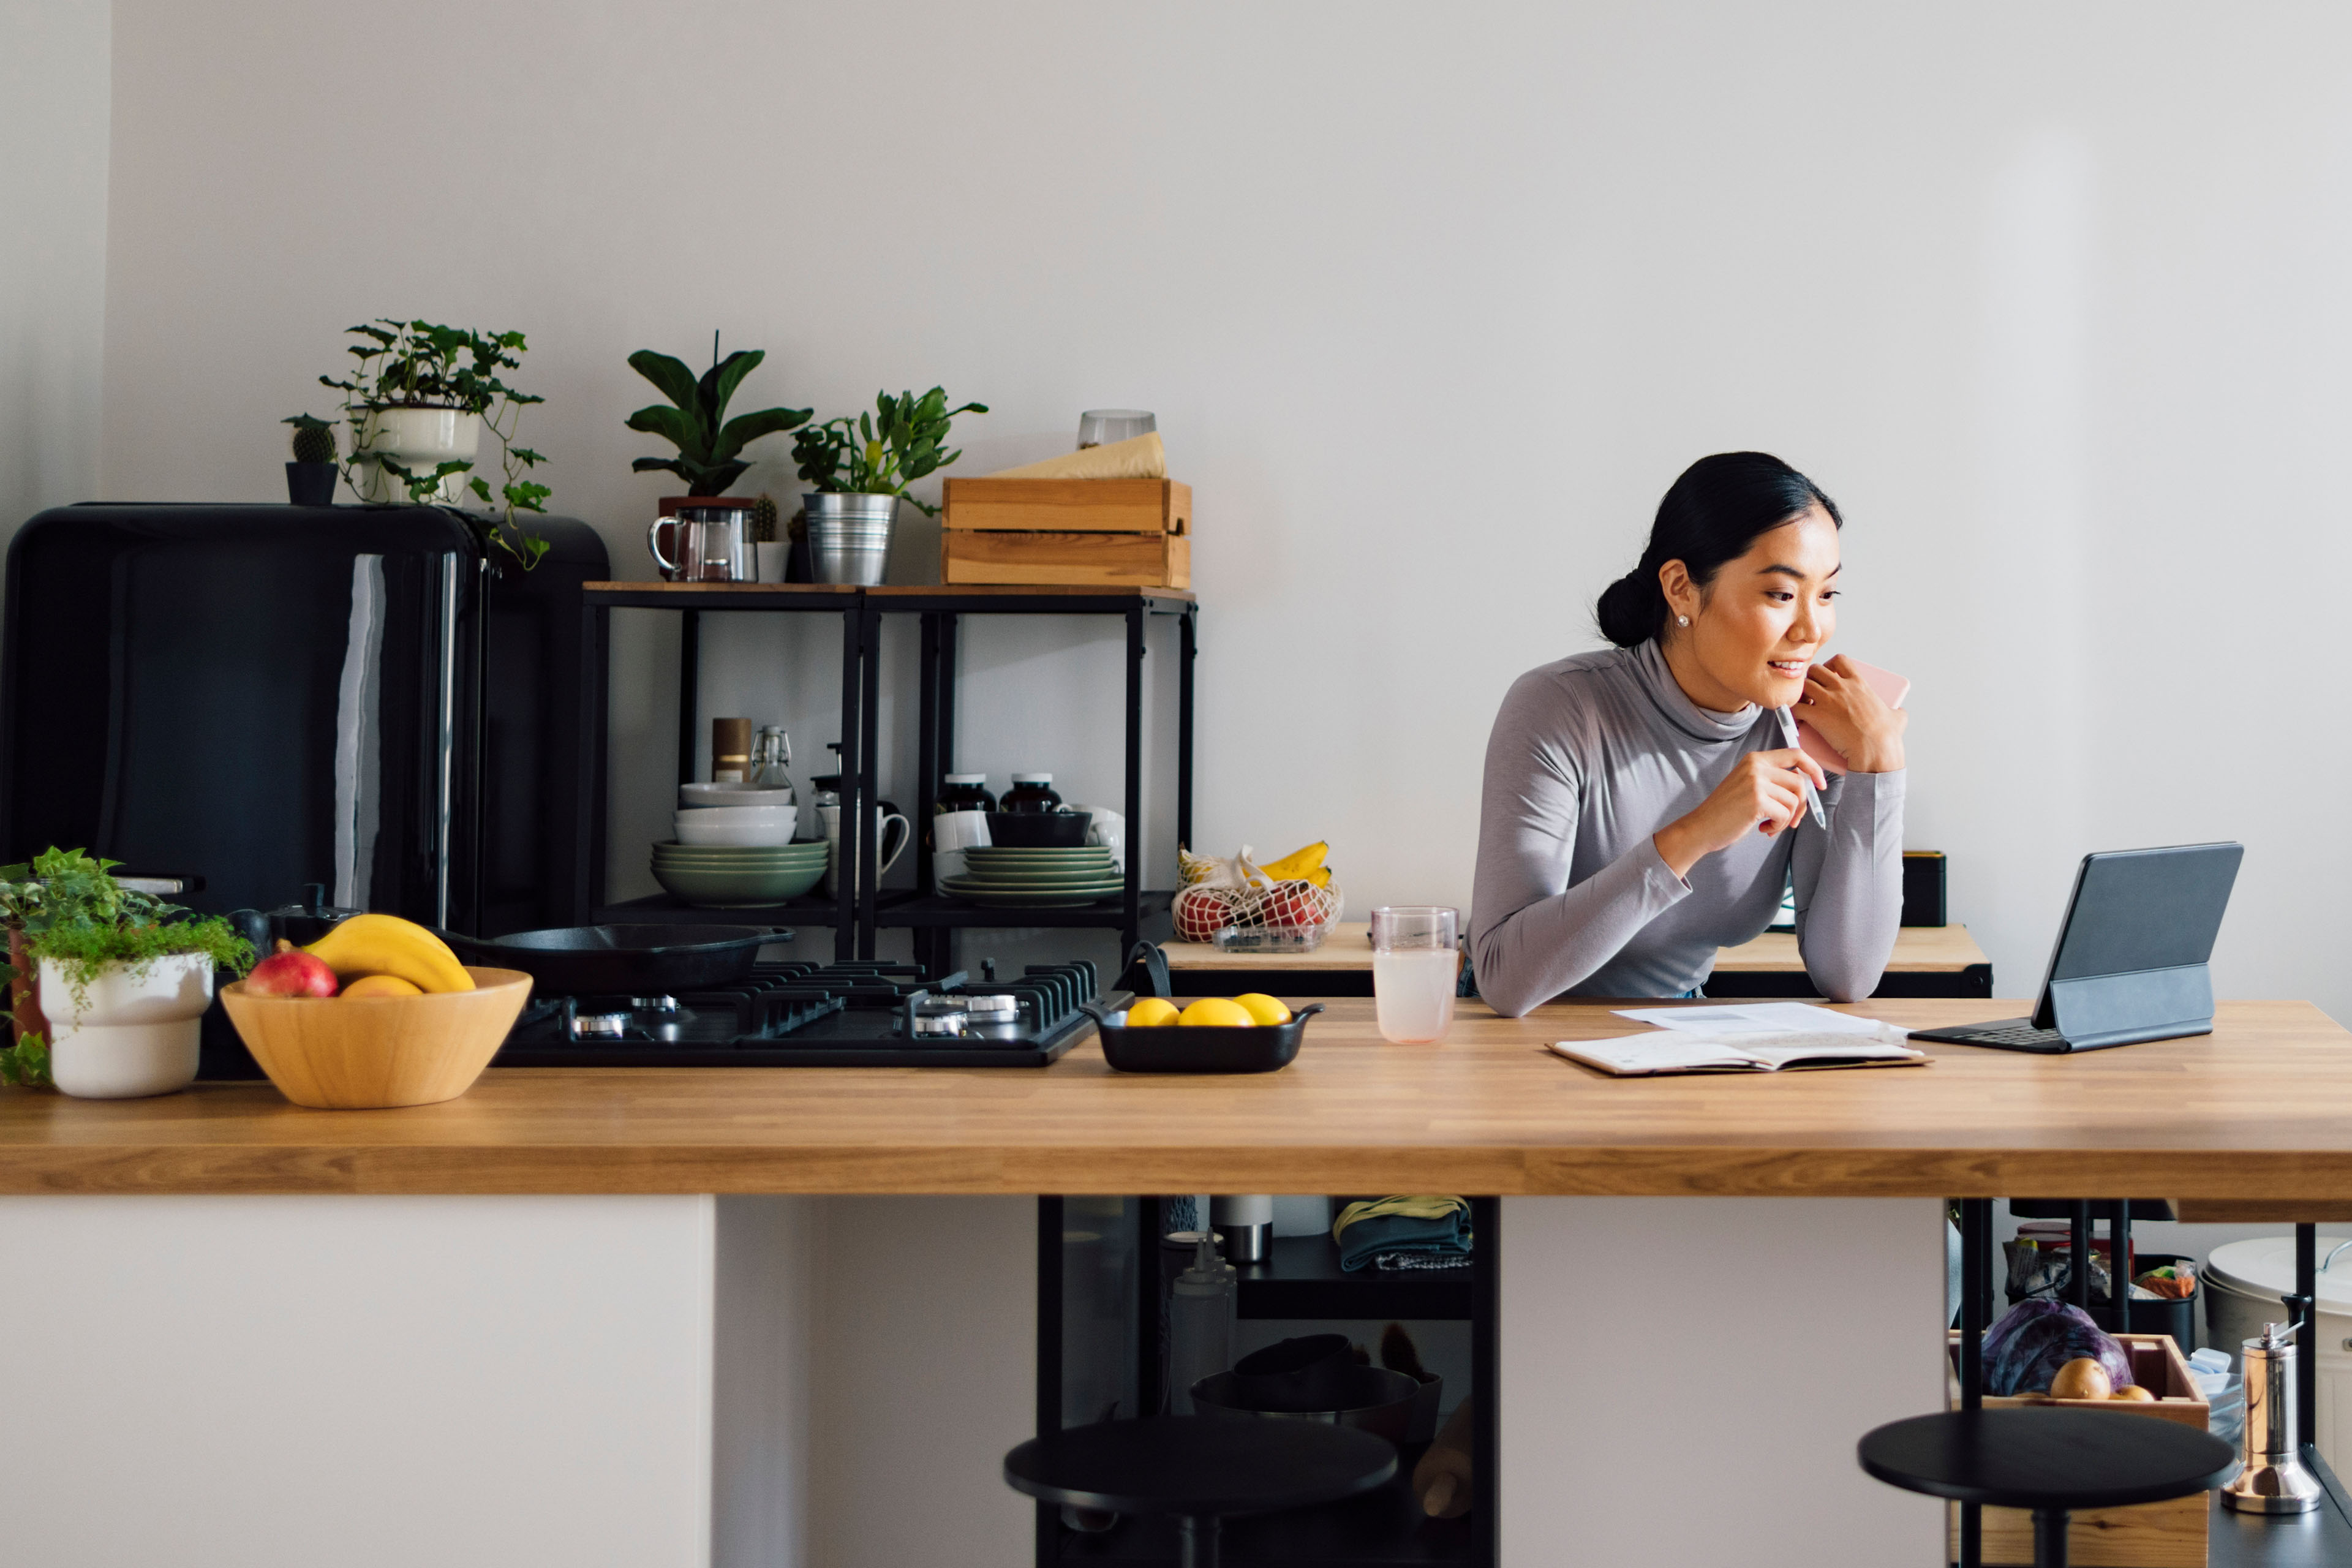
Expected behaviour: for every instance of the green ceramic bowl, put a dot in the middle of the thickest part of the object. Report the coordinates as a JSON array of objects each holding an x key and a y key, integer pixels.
[{"x": 735, "y": 889}]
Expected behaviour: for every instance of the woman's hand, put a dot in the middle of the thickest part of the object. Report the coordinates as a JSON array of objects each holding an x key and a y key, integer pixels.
[
  {"x": 1852, "y": 717},
  {"x": 1762, "y": 793}
]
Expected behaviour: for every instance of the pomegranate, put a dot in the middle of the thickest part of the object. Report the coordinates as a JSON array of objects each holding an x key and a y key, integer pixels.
[{"x": 292, "y": 972}]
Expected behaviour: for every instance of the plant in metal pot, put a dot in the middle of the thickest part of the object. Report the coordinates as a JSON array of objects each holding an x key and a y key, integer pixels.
[
  {"x": 695, "y": 422},
  {"x": 861, "y": 469},
  {"x": 113, "y": 981},
  {"x": 417, "y": 404}
]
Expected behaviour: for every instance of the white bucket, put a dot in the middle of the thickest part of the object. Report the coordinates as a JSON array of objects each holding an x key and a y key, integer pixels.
[{"x": 2245, "y": 1285}]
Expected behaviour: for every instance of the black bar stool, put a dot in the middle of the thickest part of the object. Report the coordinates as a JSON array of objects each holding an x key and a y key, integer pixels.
[
  {"x": 1201, "y": 1469},
  {"x": 2049, "y": 1461}
]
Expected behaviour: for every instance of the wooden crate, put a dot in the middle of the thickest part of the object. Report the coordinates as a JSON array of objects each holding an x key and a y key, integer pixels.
[
  {"x": 1084, "y": 560},
  {"x": 1067, "y": 506},
  {"x": 2150, "y": 1535}
]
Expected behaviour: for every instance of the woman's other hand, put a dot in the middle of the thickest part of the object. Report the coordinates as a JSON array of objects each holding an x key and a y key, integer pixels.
[
  {"x": 1852, "y": 717},
  {"x": 1761, "y": 793}
]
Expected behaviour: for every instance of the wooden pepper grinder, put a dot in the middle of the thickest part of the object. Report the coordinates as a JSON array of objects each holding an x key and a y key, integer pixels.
[{"x": 731, "y": 751}]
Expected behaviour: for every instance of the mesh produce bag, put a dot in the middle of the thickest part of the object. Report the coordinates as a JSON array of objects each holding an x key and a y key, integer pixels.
[{"x": 1220, "y": 893}]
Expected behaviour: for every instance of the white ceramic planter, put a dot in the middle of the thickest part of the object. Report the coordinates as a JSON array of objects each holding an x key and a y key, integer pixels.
[
  {"x": 420, "y": 440},
  {"x": 131, "y": 1032}
]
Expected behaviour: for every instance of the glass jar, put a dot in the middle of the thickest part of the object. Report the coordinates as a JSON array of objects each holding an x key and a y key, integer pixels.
[
  {"x": 965, "y": 792},
  {"x": 1032, "y": 792}
]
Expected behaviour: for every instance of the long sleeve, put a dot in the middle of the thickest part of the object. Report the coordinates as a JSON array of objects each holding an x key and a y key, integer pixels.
[
  {"x": 1531, "y": 936},
  {"x": 1849, "y": 884}
]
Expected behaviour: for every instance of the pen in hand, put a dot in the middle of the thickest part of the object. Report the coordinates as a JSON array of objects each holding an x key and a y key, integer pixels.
[{"x": 1812, "y": 797}]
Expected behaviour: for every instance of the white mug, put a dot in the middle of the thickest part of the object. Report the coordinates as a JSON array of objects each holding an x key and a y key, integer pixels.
[{"x": 831, "y": 815}]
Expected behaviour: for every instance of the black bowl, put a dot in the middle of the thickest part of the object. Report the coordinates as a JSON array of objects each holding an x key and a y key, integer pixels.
[
  {"x": 1173, "y": 1048},
  {"x": 1038, "y": 829}
]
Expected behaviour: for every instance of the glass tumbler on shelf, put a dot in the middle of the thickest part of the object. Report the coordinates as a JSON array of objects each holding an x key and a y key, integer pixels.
[
  {"x": 1414, "y": 969},
  {"x": 1101, "y": 427}
]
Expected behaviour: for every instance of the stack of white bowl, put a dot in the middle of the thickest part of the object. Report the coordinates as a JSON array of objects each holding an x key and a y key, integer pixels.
[{"x": 734, "y": 849}]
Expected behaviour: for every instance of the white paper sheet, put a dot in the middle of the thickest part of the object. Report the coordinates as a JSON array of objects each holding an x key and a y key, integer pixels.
[{"x": 1759, "y": 1018}]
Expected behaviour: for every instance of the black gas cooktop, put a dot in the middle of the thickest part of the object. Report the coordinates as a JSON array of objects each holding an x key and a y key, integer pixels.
[{"x": 807, "y": 1014}]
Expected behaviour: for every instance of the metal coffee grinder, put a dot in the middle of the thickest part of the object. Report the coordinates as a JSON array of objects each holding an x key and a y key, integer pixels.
[{"x": 2273, "y": 1479}]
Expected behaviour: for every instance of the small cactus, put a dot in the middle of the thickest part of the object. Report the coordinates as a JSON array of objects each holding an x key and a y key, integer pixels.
[
  {"x": 314, "y": 438},
  {"x": 764, "y": 520}
]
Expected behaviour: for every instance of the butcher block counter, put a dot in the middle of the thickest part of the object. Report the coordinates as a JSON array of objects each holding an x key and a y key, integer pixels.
[{"x": 2256, "y": 1109}]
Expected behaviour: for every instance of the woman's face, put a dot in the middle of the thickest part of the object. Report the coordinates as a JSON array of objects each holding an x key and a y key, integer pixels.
[{"x": 1762, "y": 622}]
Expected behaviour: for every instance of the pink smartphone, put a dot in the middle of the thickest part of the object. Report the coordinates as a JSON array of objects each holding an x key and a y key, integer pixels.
[{"x": 1890, "y": 686}]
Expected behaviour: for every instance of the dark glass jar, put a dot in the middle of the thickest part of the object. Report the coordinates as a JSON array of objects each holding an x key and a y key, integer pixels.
[
  {"x": 1032, "y": 792},
  {"x": 965, "y": 792}
]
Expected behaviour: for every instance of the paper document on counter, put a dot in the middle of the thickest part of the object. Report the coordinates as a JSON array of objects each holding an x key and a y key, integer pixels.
[
  {"x": 1634, "y": 1056},
  {"x": 1763, "y": 1018}
]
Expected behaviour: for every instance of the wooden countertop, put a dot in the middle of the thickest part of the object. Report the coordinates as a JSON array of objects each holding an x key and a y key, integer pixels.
[
  {"x": 2256, "y": 1109},
  {"x": 1918, "y": 950}
]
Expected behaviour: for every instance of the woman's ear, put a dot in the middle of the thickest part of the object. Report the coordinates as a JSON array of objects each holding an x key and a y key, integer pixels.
[{"x": 1682, "y": 593}]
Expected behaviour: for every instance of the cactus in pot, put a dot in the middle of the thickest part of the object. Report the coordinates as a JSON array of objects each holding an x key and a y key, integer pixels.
[{"x": 310, "y": 477}]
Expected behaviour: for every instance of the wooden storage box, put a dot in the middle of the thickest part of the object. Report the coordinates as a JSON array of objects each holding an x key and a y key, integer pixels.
[
  {"x": 2151, "y": 1535},
  {"x": 1132, "y": 533}
]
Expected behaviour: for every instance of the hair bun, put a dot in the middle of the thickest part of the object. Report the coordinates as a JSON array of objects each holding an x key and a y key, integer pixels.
[{"x": 1632, "y": 610}]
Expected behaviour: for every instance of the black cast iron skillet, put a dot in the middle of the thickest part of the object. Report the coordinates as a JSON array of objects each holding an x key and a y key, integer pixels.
[{"x": 614, "y": 960}]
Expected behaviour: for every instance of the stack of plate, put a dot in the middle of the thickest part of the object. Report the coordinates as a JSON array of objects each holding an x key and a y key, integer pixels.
[
  {"x": 721, "y": 878},
  {"x": 1036, "y": 879}
]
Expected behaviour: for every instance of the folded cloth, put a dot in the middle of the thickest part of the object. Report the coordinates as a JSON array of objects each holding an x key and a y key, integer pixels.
[
  {"x": 1141, "y": 457},
  {"x": 1418, "y": 1262},
  {"x": 1431, "y": 1226}
]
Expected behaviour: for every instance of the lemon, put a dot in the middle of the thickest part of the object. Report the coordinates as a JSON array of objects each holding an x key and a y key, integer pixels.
[
  {"x": 1264, "y": 1008},
  {"x": 383, "y": 985},
  {"x": 1217, "y": 1012},
  {"x": 1150, "y": 1013}
]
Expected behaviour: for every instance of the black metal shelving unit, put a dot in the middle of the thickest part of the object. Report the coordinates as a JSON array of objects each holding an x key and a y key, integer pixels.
[
  {"x": 860, "y": 909},
  {"x": 1301, "y": 1282}
]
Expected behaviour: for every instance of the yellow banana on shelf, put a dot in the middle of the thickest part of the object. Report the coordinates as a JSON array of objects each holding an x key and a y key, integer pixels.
[
  {"x": 386, "y": 944},
  {"x": 1300, "y": 865}
]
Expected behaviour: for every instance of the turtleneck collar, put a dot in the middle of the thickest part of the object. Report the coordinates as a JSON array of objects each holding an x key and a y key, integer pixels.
[{"x": 1665, "y": 693}]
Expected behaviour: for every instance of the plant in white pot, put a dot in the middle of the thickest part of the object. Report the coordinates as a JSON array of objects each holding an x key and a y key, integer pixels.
[
  {"x": 861, "y": 469},
  {"x": 417, "y": 405},
  {"x": 121, "y": 977}
]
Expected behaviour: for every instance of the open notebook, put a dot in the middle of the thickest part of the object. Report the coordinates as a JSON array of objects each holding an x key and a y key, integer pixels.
[{"x": 1676, "y": 1051}]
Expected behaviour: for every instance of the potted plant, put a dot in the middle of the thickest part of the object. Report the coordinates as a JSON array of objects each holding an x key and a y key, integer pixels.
[
  {"x": 123, "y": 977},
  {"x": 695, "y": 423},
  {"x": 310, "y": 477},
  {"x": 417, "y": 405},
  {"x": 861, "y": 469}
]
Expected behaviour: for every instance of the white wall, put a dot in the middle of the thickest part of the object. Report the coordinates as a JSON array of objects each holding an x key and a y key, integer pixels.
[
  {"x": 55, "y": 70},
  {"x": 1431, "y": 305}
]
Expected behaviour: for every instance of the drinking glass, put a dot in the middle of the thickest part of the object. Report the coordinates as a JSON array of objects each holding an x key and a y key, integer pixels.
[
  {"x": 1101, "y": 427},
  {"x": 1414, "y": 969}
]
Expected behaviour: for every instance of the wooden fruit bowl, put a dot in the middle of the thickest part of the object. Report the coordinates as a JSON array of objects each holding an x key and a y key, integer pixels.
[{"x": 363, "y": 1053}]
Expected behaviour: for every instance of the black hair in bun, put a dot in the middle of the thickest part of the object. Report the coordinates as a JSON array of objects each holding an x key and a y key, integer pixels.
[{"x": 1719, "y": 507}]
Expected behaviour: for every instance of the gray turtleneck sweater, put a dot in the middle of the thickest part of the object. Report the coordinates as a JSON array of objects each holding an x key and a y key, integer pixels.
[{"x": 1590, "y": 757}]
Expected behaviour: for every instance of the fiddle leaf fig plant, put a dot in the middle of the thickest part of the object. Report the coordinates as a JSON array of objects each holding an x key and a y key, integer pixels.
[
  {"x": 696, "y": 421},
  {"x": 881, "y": 453}
]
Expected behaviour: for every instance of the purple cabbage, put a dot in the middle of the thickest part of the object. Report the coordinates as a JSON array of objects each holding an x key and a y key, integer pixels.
[{"x": 2024, "y": 1351}]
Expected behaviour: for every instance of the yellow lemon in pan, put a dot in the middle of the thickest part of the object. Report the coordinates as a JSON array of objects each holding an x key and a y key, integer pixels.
[
  {"x": 1264, "y": 1009},
  {"x": 1217, "y": 1012},
  {"x": 1150, "y": 1013}
]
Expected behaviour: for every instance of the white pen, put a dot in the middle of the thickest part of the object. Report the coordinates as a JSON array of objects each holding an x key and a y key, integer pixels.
[{"x": 1789, "y": 734}]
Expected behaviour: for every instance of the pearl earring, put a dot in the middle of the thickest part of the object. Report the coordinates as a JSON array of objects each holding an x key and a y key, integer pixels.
[{"x": 1682, "y": 620}]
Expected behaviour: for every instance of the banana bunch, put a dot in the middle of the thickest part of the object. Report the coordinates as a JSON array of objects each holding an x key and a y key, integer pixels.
[
  {"x": 367, "y": 949},
  {"x": 1301, "y": 866}
]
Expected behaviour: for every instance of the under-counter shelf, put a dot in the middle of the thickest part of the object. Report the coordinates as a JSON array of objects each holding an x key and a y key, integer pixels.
[
  {"x": 660, "y": 908},
  {"x": 1302, "y": 1278}
]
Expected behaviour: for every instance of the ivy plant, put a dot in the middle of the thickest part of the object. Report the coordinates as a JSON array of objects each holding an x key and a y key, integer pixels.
[
  {"x": 422, "y": 365},
  {"x": 883, "y": 452}
]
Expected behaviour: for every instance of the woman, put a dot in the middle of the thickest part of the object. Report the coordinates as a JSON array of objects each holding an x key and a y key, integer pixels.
[{"x": 1642, "y": 807}]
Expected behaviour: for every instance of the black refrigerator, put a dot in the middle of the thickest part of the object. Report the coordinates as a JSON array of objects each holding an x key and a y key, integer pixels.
[{"x": 269, "y": 699}]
